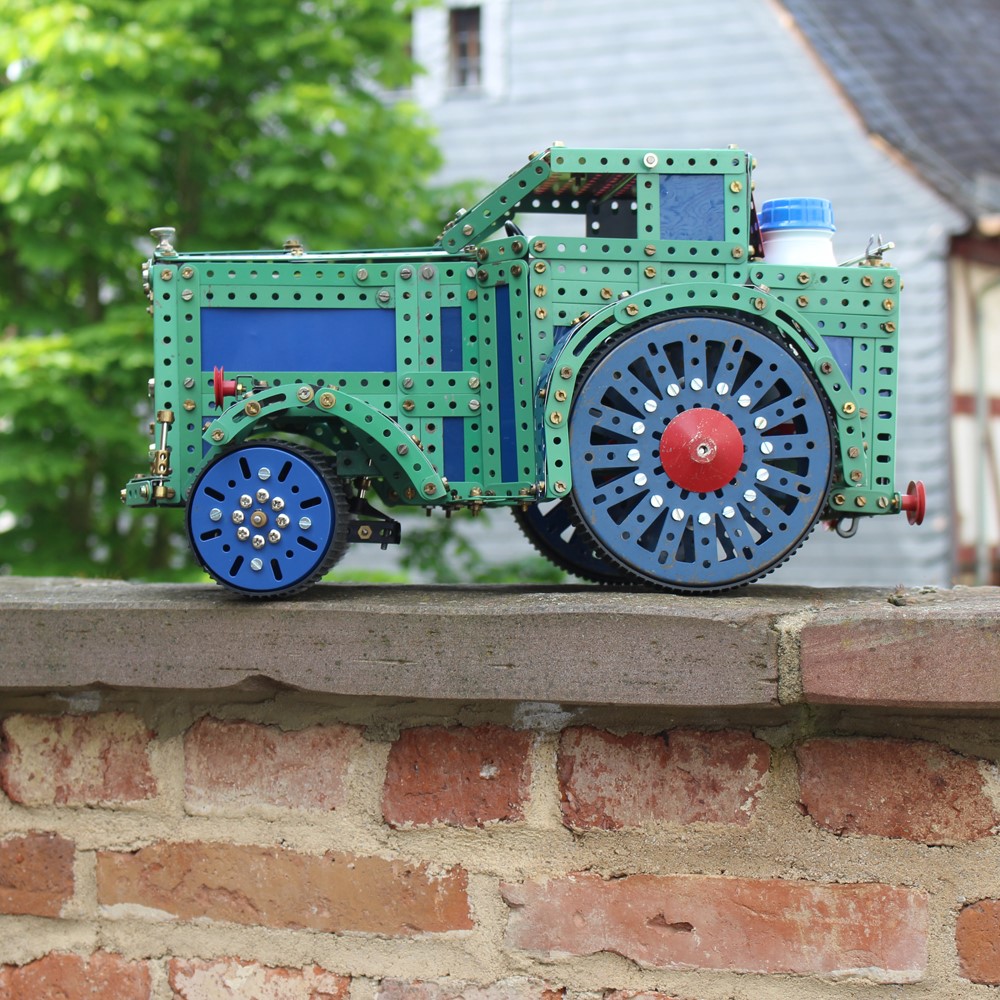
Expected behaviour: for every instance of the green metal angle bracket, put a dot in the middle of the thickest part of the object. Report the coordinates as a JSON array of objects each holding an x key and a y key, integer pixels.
[
  {"x": 615, "y": 320},
  {"x": 254, "y": 412}
]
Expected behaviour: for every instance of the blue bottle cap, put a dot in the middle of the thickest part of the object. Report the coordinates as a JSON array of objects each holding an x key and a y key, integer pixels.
[{"x": 796, "y": 213}]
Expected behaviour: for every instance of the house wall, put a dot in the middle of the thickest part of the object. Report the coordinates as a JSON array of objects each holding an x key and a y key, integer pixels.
[{"x": 707, "y": 73}]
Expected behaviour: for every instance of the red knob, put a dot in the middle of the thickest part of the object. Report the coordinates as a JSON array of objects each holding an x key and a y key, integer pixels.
[
  {"x": 914, "y": 502},
  {"x": 223, "y": 386}
]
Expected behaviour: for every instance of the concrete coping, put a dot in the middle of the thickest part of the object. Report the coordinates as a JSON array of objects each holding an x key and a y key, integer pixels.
[{"x": 763, "y": 647}]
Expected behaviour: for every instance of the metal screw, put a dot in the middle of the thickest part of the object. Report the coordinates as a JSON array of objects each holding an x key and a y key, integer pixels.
[
  {"x": 305, "y": 394},
  {"x": 408, "y": 405},
  {"x": 430, "y": 489},
  {"x": 803, "y": 278},
  {"x": 406, "y": 272},
  {"x": 246, "y": 501},
  {"x": 482, "y": 275},
  {"x": 556, "y": 418},
  {"x": 305, "y": 523},
  {"x": 407, "y": 382},
  {"x": 853, "y": 451},
  {"x": 759, "y": 304},
  {"x": 472, "y": 294},
  {"x": 560, "y": 487},
  {"x": 218, "y": 436},
  {"x": 883, "y": 502},
  {"x": 838, "y": 499},
  {"x": 638, "y": 427},
  {"x": 848, "y": 408},
  {"x": 750, "y": 496},
  {"x": 737, "y": 252},
  {"x": 540, "y": 290},
  {"x": 166, "y": 274},
  {"x": 631, "y": 309},
  {"x": 474, "y": 405},
  {"x": 282, "y": 520},
  {"x": 722, "y": 389},
  {"x": 766, "y": 447},
  {"x": 539, "y": 266},
  {"x": 263, "y": 496},
  {"x": 888, "y": 305},
  {"x": 467, "y": 230},
  {"x": 238, "y": 517},
  {"x": 189, "y": 383},
  {"x": 516, "y": 270},
  {"x": 327, "y": 400},
  {"x": 649, "y": 249},
  {"x": 736, "y": 187},
  {"x": 650, "y": 160},
  {"x": 252, "y": 408},
  {"x": 362, "y": 274},
  {"x": 256, "y": 565},
  {"x": 860, "y": 501},
  {"x": 856, "y": 476},
  {"x": 189, "y": 405},
  {"x": 427, "y": 272},
  {"x": 639, "y": 479},
  {"x": 215, "y": 514},
  {"x": 402, "y": 449},
  {"x": 677, "y": 513},
  {"x": 888, "y": 281},
  {"x": 539, "y": 246},
  {"x": 743, "y": 400},
  {"x": 274, "y": 536},
  {"x": 188, "y": 272},
  {"x": 565, "y": 372},
  {"x": 760, "y": 423},
  {"x": 729, "y": 512},
  {"x": 650, "y": 272},
  {"x": 606, "y": 293},
  {"x": 187, "y": 295},
  {"x": 541, "y": 313},
  {"x": 483, "y": 254},
  {"x": 866, "y": 281},
  {"x": 802, "y": 301},
  {"x": 243, "y": 533},
  {"x": 384, "y": 295},
  {"x": 826, "y": 367},
  {"x": 633, "y": 455}
]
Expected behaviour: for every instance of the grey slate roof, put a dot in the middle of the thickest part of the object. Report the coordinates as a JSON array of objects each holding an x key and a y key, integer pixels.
[{"x": 925, "y": 76}]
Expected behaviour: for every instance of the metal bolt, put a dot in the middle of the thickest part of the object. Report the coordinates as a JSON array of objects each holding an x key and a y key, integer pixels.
[
  {"x": 516, "y": 270},
  {"x": 256, "y": 564},
  {"x": 238, "y": 516},
  {"x": 187, "y": 295},
  {"x": 888, "y": 281},
  {"x": 744, "y": 400},
  {"x": 606, "y": 293},
  {"x": 408, "y": 405},
  {"x": 427, "y": 272},
  {"x": 889, "y": 327},
  {"x": 802, "y": 301},
  {"x": 656, "y": 500},
  {"x": 866, "y": 281},
  {"x": 848, "y": 408},
  {"x": 277, "y": 504},
  {"x": 556, "y": 418},
  {"x": 263, "y": 496},
  {"x": 888, "y": 305},
  {"x": 750, "y": 496},
  {"x": 430, "y": 489},
  {"x": 406, "y": 273},
  {"x": 474, "y": 405},
  {"x": 728, "y": 512},
  {"x": 246, "y": 501},
  {"x": 826, "y": 367},
  {"x": 803, "y": 278},
  {"x": 402, "y": 449},
  {"x": 263, "y": 473},
  {"x": 766, "y": 448},
  {"x": 649, "y": 249},
  {"x": 305, "y": 523},
  {"x": 467, "y": 229},
  {"x": 677, "y": 513},
  {"x": 856, "y": 476},
  {"x": 305, "y": 394},
  {"x": 704, "y": 517},
  {"x": 673, "y": 389},
  {"x": 736, "y": 187},
  {"x": 649, "y": 406},
  {"x": 189, "y": 404},
  {"x": 737, "y": 252},
  {"x": 760, "y": 423},
  {"x": 697, "y": 384},
  {"x": 483, "y": 254},
  {"x": 327, "y": 400},
  {"x": 838, "y": 499},
  {"x": 243, "y": 533},
  {"x": 189, "y": 383},
  {"x": 853, "y": 451},
  {"x": 188, "y": 272},
  {"x": 560, "y": 395},
  {"x": 650, "y": 160},
  {"x": 407, "y": 382},
  {"x": 638, "y": 427},
  {"x": 282, "y": 520},
  {"x": 759, "y": 304},
  {"x": 540, "y": 290},
  {"x": 541, "y": 313},
  {"x": 362, "y": 274},
  {"x": 472, "y": 294},
  {"x": 633, "y": 455},
  {"x": 631, "y": 309},
  {"x": 883, "y": 502},
  {"x": 218, "y": 436},
  {"x": 539, "y": 246},
  {"x": 560, "y": 487},
  {"x": 860, "y": 501},
  {"x": 762, "y": 475},
  {"x": 566, "y": 372},
  {"x": 384, "y": 295},
  {"x": 251, "y": 408},
  {"x": 215, "y": 514},
  {"x": 650, "y": 272},
  {"x": 639, "y": 479},
  {"x": 274, "y": 536},
  {"x": 166, "y": 274},
  {"x": 482, "y": 275},
  {"x": 722, "y": 389}
]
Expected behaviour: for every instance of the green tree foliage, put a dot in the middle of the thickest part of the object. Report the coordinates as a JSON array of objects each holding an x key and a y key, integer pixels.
[{"x": 241, "y": 124}]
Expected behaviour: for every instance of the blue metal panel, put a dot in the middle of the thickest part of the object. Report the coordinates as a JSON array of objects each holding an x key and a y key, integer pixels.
[
  {"x": 505, "y": 373},
  {"x": 306, "y": 340},
  {"x": 842, "y": 349},
  {"x": 692, "y": 207},
  {"x": 453, "y": 442},
  {"x": 451, "y": 339}
]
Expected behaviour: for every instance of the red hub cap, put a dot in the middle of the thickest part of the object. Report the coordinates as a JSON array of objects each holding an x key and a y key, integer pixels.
[{"x": 701, "y": 450}]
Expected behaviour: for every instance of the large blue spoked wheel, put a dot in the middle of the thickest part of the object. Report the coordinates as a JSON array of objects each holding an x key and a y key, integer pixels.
[
  {"x": 268, "y": 519},
  {"x": 701, "y": 452},
  {"x": 549, "y": 527}
]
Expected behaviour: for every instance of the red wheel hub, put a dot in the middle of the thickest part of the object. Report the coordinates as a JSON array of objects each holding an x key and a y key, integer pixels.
[
  {"x": 701, "y": 450},
  {"x": 914, "y": 502},
  {"x": 222, "y": 386}
]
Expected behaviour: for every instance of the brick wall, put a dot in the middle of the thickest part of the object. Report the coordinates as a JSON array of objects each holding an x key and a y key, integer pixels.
[{"x": 266, "y": 844}]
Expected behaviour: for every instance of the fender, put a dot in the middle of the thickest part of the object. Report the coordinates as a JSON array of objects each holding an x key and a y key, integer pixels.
[
  {"x": 389, "y": 446},
  {"x": 618, "y": 320}
]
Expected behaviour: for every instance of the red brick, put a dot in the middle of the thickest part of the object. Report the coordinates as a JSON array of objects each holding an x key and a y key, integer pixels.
[
  {"x": 515, "y": 988},
  {"x": 711, "y": 922},
  {"x": 911, "y": 790},
  {"x": 610, "y": 782},
  {"x": 101, "y": 976},
  {"x": 236, "y": 765},
  {"x": 465, "y": 777},
  {"x": 977, "y": 935},
  {"x": 273, "y": 887},
  {"x": 36, "y": 874},
  {"x": 76, "y": 760},
  {"x": 231, "y": 977}
]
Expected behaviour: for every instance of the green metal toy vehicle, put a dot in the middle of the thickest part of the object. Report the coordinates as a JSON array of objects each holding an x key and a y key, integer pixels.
[{"x": 657, "y": 401}]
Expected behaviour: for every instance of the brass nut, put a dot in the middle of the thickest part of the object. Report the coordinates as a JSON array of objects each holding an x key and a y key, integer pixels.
[
  {"x": 327, "y": 400},
  {"x": 364, "y": 532},
  {"x": 848, "y": 408},
  {"x": 430, "y": 489},
  {"x": 631, "y": 309},
  {"x": 252, "y": 408}
]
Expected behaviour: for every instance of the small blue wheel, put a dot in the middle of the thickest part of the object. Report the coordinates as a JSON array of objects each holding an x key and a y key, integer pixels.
[
  {"x": 549, "y": 527},
  {"x": 701, "y": 452},
  {"x": 268, "y": 518}
]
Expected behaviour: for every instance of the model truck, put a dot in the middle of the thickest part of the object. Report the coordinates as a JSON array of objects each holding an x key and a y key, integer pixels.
[{"x": 657, "y": 401}]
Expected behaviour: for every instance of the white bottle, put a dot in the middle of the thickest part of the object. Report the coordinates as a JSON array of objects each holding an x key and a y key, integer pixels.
[{"x": 798, "y": 231}]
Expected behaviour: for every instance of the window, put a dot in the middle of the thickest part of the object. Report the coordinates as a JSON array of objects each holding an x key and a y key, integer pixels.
[{"x": 464, "y": 50}]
